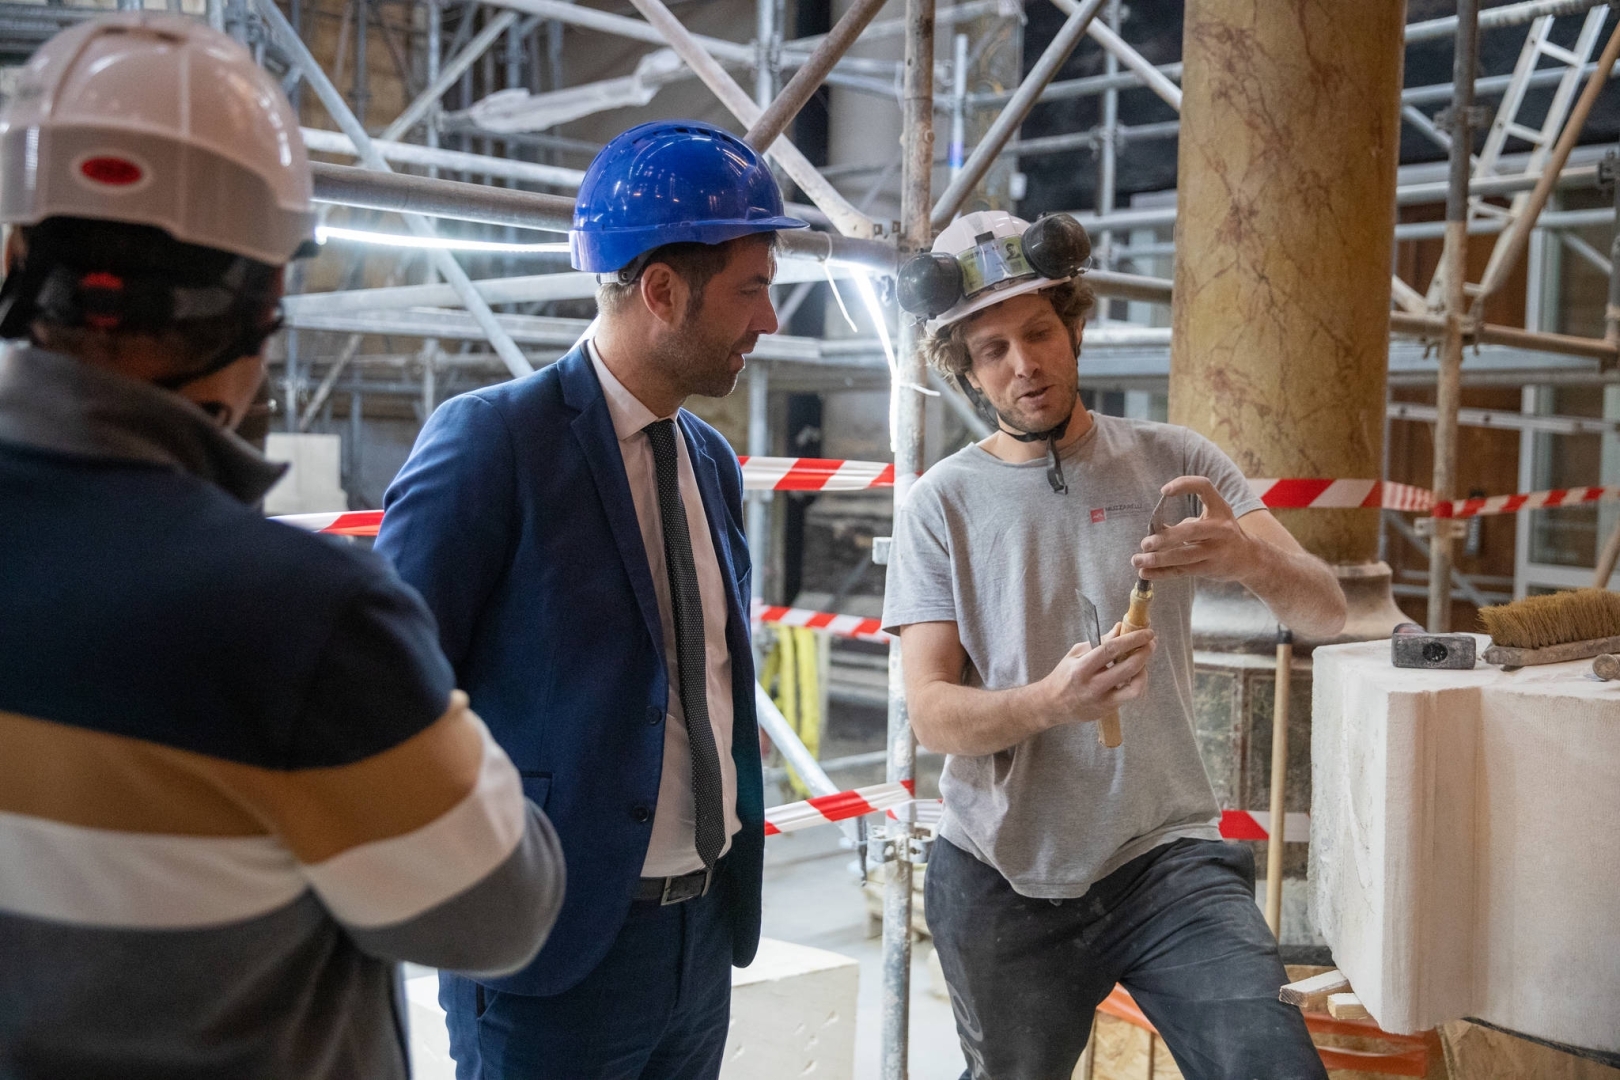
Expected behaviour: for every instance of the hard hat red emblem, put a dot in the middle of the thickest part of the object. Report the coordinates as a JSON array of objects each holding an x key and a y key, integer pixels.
[{"x": 111, "y": 171}]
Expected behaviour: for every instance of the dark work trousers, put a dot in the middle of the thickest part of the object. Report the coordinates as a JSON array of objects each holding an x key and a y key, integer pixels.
[
  {"x": 657, "y": 1007},
  {"x": 1178, "y": 926}
]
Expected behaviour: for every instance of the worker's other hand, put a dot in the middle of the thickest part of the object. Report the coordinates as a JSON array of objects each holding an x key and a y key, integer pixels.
[
  {"x": 1089, "y": 683},
  {"x": 1212, "y": 545}
]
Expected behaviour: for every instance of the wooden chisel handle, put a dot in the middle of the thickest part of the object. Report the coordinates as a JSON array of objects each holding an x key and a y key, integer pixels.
[{"x": 1136, "y": 618}]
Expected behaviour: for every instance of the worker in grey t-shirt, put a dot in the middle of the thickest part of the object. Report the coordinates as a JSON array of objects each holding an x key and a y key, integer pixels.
[{"x": 1065, "y": 866}]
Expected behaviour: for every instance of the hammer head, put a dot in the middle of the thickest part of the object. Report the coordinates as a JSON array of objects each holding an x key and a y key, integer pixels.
[{"x": 1413, "y": 647}]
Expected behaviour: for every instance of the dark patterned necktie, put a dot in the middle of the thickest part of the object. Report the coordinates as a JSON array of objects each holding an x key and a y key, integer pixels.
[{"x": 708, "y": 797}]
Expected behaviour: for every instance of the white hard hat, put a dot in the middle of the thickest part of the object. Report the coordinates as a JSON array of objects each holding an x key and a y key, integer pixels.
[
  {"x": 156, "y": 119},
  {"x": 990, "y": 240},
  {"x": 994, "y": 261}
]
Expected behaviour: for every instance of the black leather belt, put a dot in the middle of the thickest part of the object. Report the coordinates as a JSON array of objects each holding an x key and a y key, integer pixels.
[{"x": 675, "y": 890}]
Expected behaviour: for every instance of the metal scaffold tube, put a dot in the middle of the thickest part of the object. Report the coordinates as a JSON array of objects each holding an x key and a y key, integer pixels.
[
  {"x": 1006, "y": 125},
  {"x": 911, "y": 375},
  {"x": 443, "y": 261},
  {"x": 780, "y": 111},
  {"x": 1448, "y": 387},
  {"x": 1505, "y": 256},
  {"x": 847, "y": 219}
]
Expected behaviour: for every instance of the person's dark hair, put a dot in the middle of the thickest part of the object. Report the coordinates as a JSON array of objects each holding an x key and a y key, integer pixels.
[
  {"x": 946, "y": 346},
  {"x": 81, "y": 278},
  {"x": 695, "y": 264}
]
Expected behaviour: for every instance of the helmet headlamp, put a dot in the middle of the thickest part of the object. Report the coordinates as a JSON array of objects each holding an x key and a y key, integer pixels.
[{"x": 1055, "y": 247}]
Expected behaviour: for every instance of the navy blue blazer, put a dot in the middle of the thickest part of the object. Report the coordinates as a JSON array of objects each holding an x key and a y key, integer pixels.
[{"x": 513, "y": 518}]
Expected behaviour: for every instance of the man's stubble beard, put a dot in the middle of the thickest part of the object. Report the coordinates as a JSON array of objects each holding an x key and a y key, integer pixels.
[
  {"x": 699, "y": 363},
  {"x": 1028, "y": 426}
]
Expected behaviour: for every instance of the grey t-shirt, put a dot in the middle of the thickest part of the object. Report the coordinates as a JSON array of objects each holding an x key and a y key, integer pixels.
[{"x": 988, "y": 545}]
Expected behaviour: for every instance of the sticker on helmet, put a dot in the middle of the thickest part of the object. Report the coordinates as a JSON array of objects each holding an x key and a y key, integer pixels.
[
  {"x": 112, "y": 170},
  {"x": 992, "y": 262}
]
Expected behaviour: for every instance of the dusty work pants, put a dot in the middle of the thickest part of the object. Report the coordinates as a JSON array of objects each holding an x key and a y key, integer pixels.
[{"x": 1177, "y": 926}]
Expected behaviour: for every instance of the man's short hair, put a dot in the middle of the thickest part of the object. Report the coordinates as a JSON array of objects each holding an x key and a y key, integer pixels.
[
  {"x": 695, "y": 264},
  {"x": 946, "y": 346}
]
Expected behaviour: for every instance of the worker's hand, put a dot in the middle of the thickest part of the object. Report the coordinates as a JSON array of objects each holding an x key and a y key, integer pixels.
[
  {"x": 1089, "y": 683},
  {"x": 1212, "y": 545}
]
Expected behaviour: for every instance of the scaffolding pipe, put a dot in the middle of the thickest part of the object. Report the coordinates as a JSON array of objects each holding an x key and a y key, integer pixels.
[
  {"x": 1116, "y": 47},
  {"x": 758, "y": 522},
  {"x": 786, "y": 105},
  {"x": 1403, "y": 324},
  {"x": 1006, "y": 125},
  {"x": 1495, "y": 18},
  {"x": 346, "y": 185},
  {"x": 462, "y": 161},
  {"x": 1107, "y": 151},
  {"x": 293, "y": 46},
  {"x": 1611, "y": 312},
  {"x": 906, "y": 402},
  {"x": 1511, "y": 247},
  {"x": 1454, "y": 258},
  {"x": 785, "y": 739},
  {"x": 847, "y": 219},
  {"x": 447, "y": 76},
  {"x": 957, "y": 150}
]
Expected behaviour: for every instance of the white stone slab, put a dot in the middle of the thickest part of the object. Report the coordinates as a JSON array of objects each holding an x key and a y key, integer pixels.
[
  {"x": 312, "y": 484},
  {"x": 792, "y": 1015},
  {"x": 430, "y": 1040},
  {"x": 1465, "y": 842}
]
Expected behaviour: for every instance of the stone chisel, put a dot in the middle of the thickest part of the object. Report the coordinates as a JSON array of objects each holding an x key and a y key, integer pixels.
[{"x": 1136, "y": 618}]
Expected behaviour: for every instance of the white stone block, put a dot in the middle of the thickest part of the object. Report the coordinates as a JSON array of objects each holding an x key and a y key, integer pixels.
[
  {"x": 313, "y": 483},
  {"x": 792, "y": 1015},
  {"x": 1465, "y": 842},
  {"x": 430, "y": 1039}
]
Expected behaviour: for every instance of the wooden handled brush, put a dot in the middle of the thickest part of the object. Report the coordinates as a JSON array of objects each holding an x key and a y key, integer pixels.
[
  {"x": 1552, "y": 629},
  {"x": 1136, "y": 618}
]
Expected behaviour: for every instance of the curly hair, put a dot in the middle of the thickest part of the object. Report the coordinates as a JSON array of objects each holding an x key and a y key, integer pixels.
[{"x": 945, "y": 347}]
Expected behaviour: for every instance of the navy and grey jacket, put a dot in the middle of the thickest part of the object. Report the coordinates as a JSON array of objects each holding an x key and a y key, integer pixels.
[{"x": 236, "y": 783}]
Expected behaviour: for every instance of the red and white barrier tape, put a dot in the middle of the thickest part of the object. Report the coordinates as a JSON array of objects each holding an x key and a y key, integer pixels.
[
  {"x": 1302, "y": 494},
  {"x": 850, "y": 626},
  {"x": 821, "y": 474},
  {"x": 1256, "y": 825},
  {"x": 1533, "y": 500},
  {"x": 814, "y": 474},
  {"x": 896, "y": 798},
  {"x": 825, "y": 809},
  {"x": 345, "y": 523}
]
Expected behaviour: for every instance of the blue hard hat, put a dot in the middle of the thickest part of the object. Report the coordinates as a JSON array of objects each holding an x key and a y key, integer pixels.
[{"x": 667, "y": 182}]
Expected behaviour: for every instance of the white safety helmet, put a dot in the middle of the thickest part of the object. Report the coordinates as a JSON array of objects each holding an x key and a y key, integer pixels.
[
  {"x": 156, "y": 119},
  {"x": 989, "y": 256}
]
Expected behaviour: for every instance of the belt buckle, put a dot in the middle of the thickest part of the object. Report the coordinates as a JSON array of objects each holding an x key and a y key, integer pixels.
[{"x": 680, "y": 889}]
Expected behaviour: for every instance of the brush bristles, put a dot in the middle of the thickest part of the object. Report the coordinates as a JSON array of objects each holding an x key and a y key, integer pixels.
[{"x": 1539, "y": 621}]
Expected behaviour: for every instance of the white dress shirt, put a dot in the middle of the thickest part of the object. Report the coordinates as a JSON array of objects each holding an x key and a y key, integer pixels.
[{"x": 672, "y": 849}]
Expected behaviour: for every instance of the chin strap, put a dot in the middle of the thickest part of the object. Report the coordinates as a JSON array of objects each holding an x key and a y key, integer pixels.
[{"x": 1054, "y": 467}]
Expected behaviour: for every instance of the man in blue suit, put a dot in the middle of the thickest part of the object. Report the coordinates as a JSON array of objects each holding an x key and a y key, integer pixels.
[{"x": 579, "y": 538}]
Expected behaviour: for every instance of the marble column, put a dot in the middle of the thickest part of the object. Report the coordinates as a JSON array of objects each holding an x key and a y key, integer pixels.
[{"x": 1290, "y": 130}]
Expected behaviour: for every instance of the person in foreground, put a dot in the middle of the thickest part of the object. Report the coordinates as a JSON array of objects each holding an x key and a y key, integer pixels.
[
  {"x": 236, "y": 785},
  {"x": 579, "y": 537},
  {"x": 1064, "y": 866}
]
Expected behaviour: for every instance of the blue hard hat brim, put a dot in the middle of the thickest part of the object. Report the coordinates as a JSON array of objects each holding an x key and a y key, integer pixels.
[{"x": 604, "y": 251}]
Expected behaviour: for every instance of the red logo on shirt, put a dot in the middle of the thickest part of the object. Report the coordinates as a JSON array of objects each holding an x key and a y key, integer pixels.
[{"x": 1099, "y": 515}]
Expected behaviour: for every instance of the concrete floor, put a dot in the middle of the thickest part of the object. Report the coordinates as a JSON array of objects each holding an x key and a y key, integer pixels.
[{"x": 812, "y": 897}]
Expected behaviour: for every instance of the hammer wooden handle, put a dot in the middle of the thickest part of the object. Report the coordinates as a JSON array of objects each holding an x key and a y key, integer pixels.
[{"x": 1136, "y": 618}]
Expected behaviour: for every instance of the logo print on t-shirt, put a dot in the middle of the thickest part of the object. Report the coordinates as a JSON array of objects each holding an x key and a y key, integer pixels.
[{"x": 1098, "y": 515}]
